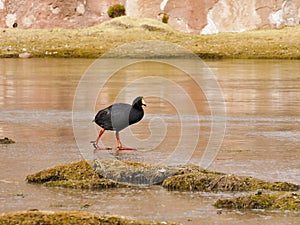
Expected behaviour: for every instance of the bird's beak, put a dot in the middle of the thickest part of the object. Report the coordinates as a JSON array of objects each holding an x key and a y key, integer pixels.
[{"x": 143, "y": 102}]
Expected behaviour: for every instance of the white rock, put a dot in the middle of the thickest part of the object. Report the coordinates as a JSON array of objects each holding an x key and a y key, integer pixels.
[{"x": 24, "y": 55}]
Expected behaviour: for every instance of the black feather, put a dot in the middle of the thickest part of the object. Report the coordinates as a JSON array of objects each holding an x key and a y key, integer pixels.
[{"x": 120, "y": 115}]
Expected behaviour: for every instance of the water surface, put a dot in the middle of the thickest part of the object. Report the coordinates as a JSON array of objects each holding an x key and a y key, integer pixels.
[{"x": 262, "y": 135}]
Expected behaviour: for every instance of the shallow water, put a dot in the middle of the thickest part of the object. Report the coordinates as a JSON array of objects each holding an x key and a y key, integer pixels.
[{"x": 261, "y": 138}]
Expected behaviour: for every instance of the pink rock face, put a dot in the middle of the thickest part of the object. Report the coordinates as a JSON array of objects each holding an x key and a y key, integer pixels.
[{"x": 192, "y": 16}]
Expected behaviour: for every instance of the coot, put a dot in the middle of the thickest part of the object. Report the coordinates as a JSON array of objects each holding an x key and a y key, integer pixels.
[{"x": 117, "y": 117}]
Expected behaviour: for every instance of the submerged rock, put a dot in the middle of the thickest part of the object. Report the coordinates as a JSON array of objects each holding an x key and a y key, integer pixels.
[
  {"x": 274, "y": 201},
  {"x": 210, "y": 181},
  {"x": 53, "y": 218}
]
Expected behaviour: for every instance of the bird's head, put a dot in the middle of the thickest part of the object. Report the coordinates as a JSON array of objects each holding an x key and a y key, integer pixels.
[{"x": 139, "y": 102}]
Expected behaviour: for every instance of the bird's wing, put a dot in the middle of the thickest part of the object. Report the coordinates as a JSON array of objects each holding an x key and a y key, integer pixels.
[
  {"x": 103, "y": 118},
  {"x": 114, "y": 117},
  {"x": 120, "y": 115}
]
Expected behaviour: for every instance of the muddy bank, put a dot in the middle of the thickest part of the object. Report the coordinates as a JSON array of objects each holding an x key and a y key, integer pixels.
[
  {"x": 59, "y": 218},
  {"x": 94, "y": 41}
]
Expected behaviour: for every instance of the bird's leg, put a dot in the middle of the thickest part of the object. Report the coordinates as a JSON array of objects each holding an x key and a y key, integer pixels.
[
  {"x": 97, "y": 140},
  {"x": 120, "y": 146}
]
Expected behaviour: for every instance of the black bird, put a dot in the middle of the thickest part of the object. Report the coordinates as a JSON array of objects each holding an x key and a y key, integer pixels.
[{"x": 117, "y": 117}]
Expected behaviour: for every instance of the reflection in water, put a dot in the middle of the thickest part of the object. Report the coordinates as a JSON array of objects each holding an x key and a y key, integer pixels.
[
  {"x": 42, "y": 83},
  {"x": 262, "y": 136}
]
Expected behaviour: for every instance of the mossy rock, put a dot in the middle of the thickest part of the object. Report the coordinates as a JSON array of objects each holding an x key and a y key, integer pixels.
[
  {"x": 112, "y": 173},
  {"x": 85, "y": 184},
  {"x": 79, "y": 175},
  {"x": 274, "y": 201},
  {"x": 134, "y": 172},
  {"x": 105, "y": 173},
  {"x": 221, "y": 182},
  {"x": 66, "y": 218},
  {"x": 6, "y": 140},
  {"x": 81, "y": 170}
]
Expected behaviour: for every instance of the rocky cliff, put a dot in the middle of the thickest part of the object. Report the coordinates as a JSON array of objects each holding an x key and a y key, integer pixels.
[{"x": 192, "y": 16}]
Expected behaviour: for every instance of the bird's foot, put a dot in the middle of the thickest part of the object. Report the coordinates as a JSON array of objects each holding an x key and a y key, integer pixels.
[
  {"x": 96, "y": 146},
  {"x": 103, "y": 148},
  {"x": 125, "y": 148}
]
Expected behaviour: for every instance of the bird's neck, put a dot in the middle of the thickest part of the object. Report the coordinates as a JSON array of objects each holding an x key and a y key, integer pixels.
[{"x": 138, "y": 107}]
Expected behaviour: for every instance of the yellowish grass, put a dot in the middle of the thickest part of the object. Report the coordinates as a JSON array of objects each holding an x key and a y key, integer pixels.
[
  {"x": 94, "y": 41},
  {"x": 71, "y": 217}
]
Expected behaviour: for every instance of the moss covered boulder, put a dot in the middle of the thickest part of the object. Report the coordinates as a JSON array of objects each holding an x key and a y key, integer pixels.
[
  {"x": 73, "y": 175},
  {"x": 273, "y": 201},
  {"x": 210, "y": 181},
  {"x": 66, "y": 218},
  {"x": 134, "y": 172},
  {"x": 104, "y": 173},
  {"x": 6, "y": 140},
  {"x": 112, "y": 173}
]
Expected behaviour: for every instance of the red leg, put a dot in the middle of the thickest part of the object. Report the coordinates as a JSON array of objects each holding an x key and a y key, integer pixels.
[
  {"x": 97, "y": 140},
  {"x": 120, "y": 146}
]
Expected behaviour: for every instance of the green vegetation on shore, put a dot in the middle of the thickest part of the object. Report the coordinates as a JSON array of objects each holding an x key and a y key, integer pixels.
[{"x": 94, "y": 41}]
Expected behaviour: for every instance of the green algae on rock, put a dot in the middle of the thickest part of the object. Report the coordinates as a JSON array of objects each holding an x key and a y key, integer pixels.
[
  {"x": 222, "y": 182},
  {"x": 6, "y": 140},
  {"x": 105, "y": 173},
  {"x": 112, "y": 173},
  {"x": 274, "y": 201},
  {"x": 134, "y": 172},
  {"x": 79, "y": 175},
  {"x": 66, "y": 218}
]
